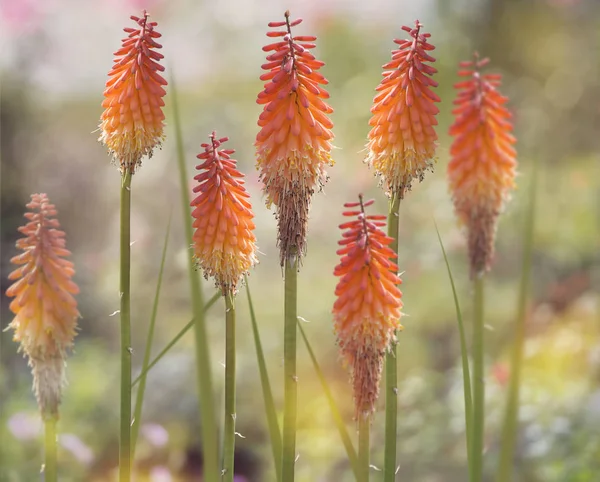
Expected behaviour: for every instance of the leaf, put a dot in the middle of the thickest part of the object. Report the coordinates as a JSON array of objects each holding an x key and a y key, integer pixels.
[
  {"x": 270, "y": 410},
  {"x": 177, "y": 337},
  {"x": 137, "y": 414},
  {"x": 335, "y": 411},
  {"x": 468, "y": 394}
]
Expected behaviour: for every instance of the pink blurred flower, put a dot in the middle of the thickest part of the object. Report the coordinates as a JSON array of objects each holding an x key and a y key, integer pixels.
[
  {"x": 24, "y": 426},
  {"x": 77, "y": 447},
  {"x": 156, "y": 434},
  {"x": 160, "y": 473},
  {"x": 21, "y": 16}
]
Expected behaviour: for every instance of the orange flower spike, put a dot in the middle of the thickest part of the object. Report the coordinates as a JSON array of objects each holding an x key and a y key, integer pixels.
[
  {"x": 483, "y": 160},
  {"x": 402, "y": 140},
  {"x": 132, "y": 122},
  {"x": 367, "y": 309},
  {"x": 44, "y": 307},
  {"x": 293, "y": 146},
  {"x": 224, "y": 241}
]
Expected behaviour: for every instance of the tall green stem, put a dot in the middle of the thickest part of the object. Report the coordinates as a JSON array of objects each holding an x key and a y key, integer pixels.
[
  {"x": 364, "y": 426},
  {"x": 50, "y": 471},
  {"x": 391, "y": 375},
  {"x": 125, "y": 431},
  {"x": 509, "y": 428},
  {"x": 203, "y": 366},
  {"x": 229, "y": 435},
  {"x": 478, "y": 380},
  {"x": 291, "y": 380}
]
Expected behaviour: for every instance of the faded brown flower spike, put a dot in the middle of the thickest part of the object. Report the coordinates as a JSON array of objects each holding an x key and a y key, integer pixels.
[
  {"x": 293, "y": 146},
  {"x": 44, "y": 307},
  {"x": 367, "y": 308},
  {"x": 483, "y": 160}
]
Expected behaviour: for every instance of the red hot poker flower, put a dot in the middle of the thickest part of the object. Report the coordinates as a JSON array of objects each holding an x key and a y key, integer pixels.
[
  {"x": 367, "y": 309},
  {"x": 293, "y": 146},
  {"x": 402, "y": 141},
  {"x": 132, "y": 122},
  {"x": 481, "y": 172},
  {"x": 224, "y": 241},
  {"x": 44, "y": 307}
]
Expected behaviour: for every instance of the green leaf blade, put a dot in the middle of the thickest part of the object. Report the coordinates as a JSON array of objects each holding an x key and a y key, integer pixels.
[
  {"x": 270, "y": 411},
  {"x": 137, "y": 414},
  {"x": 335, "y": 411},
  {"x": 468, "y": 394}
]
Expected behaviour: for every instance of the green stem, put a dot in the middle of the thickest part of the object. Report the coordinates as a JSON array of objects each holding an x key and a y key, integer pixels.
[
  {"x": 125, "y": 430},
  {"x": 478, "y": 380},
  {"x": 203, "y": 365},
  {"x": 364, "y": 425},
  {"x": 511, "y": 414},
  {"x": 391, "y": 375},
  {"x": 291, "y": 379},
  {"x": 229, "y": 435},
  {"x": 270, "y": 410},
  {"x": 50, "y": 471}
]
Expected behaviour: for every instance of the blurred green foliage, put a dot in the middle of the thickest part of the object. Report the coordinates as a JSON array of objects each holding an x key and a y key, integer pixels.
[{"x": 548, "y": 54}]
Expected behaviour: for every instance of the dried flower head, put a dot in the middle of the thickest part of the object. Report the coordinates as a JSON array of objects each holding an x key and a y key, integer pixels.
[
  {"x": 483, "y": 160},
  {"x": 44, "y": 307},
  {"x": 293, "y": 146},
  {"x": 367, "y": 309},
  {"x": 132, "y": 122},
  {"x": 224, "y": 241},
  {"x": 402, "y": 141}
]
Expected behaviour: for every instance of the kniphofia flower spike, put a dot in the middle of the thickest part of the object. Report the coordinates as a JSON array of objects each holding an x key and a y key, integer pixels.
[
  {"x": 224, "y": 241},
  {"x": 293, "y": 146},
  {"x": 44, "y": 307},
  {"x": 132, "y": 122},
  {"x": 483, "y": 160},
  {"x": 367, "y": 309},
  {"x": 402, "y": 140}
]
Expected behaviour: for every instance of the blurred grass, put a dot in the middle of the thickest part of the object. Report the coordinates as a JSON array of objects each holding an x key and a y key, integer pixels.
[
  {"x": 511, "y": 415},
  {"x": 204, "y": 375},
  {"x": 335, "y": 411},
  {"x": 46, "y": 145},
  {"x": 175, "y": 339},
  {"x": 269, "y": 404},
  {"x": 139, "y": 399},
  {"x": 464, "y": 356}
]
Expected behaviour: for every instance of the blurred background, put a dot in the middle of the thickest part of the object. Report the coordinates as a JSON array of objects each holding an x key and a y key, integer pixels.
[{"x": 55, "y": 57}]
